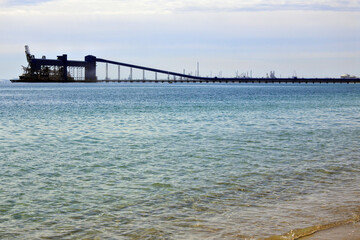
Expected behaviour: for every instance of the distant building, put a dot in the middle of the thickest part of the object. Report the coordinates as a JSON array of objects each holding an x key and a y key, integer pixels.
[{"x": 347, "y": 76}]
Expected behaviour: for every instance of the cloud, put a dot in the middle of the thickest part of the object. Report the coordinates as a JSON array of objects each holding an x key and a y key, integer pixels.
[
  {"x": 11, "y": 3},
  {"x": 270, "y": 5},
  {"x": 113, "y": 7}
]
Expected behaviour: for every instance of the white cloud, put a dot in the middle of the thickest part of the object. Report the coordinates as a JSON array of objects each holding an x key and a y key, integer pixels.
[
  {"x": 269, "y": 5},
  {"x": 108, "y": 7},
  {"x": 21, "y": 2}
]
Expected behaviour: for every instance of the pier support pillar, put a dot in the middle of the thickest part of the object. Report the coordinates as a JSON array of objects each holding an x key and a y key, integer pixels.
[
  {"x": 107, "y": 72},
  {"x": 90, "y": 68},
  {"x": 64, "y": 64},
  {"x": 118, "y": 72}
]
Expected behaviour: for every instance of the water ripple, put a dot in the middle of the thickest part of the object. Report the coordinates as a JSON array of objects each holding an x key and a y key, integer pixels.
[{"x": 114, "y": 161}]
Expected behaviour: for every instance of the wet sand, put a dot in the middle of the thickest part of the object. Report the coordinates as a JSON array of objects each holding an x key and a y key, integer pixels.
[{"x": 349, "y": 231}]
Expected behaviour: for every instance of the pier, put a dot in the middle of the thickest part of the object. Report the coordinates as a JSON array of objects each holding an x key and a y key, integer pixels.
[
  {"x": 241, "y": 80},
  {"x": 64, "y": 70}
]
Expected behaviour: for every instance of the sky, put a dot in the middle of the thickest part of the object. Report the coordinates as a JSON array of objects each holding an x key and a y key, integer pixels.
[{"x": 306, "y": 38}]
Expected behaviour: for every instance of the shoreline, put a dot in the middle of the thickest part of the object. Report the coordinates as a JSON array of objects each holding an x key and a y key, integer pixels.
[
  {"x": 350, "y": 231},
  {"x": 341, "y": 230}
]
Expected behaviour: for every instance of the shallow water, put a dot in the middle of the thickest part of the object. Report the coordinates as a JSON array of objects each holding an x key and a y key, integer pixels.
[{"x": 179, "y": 161}]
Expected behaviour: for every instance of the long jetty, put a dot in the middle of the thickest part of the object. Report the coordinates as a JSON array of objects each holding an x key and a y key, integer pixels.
[
  {"x": 185, "y": 78},
  {"x": 239, "y": 80},
  {"x": 64, "y": 70}
]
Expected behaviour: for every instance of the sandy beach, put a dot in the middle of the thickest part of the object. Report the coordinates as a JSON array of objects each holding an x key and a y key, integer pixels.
[{"x": 346, "y": 232}]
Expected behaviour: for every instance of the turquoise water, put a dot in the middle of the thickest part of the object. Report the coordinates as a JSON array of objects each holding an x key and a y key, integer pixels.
[{"x": 176, "y": 161}]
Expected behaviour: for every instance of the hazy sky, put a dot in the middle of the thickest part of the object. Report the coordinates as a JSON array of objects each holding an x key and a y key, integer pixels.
[{"x": 318, "y": 38}]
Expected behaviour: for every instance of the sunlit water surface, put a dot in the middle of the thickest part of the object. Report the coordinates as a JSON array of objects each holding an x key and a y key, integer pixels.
[{"x": 179, "y": 161}]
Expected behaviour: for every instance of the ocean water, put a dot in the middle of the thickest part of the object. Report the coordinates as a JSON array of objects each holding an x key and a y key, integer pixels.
[{"x": 177, "y": 161}]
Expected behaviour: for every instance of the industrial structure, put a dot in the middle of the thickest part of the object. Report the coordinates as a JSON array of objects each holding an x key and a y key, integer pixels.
[
  {"x": 58, "y": 70},
  {"x": 64, "y": 70}
]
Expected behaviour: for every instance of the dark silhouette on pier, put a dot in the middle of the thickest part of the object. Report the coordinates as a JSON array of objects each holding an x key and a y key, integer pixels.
[{"x": 64, "y": 70}]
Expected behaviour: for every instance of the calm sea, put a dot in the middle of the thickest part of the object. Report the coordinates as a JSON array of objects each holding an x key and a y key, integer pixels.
[{"x": 176, "y": 161}]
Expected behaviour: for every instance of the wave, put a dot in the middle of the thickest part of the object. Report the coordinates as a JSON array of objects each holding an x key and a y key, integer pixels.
[{"x": 303, "y": 232}]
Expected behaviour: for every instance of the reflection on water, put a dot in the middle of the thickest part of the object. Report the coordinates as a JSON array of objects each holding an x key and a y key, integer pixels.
[{"x": 142, "y": 161}]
